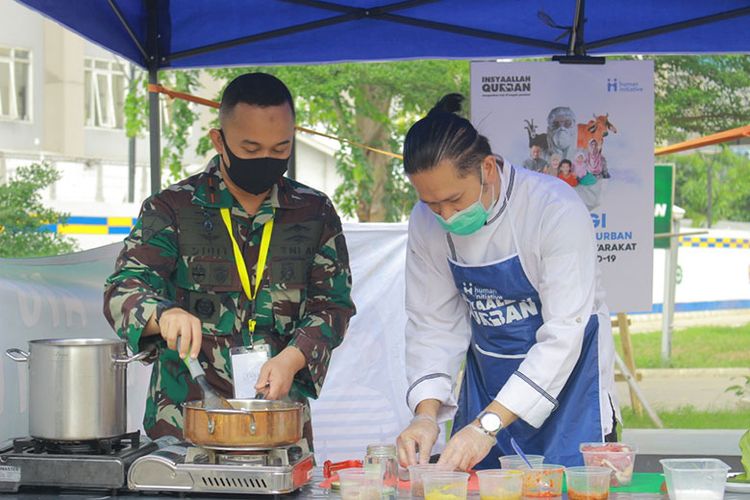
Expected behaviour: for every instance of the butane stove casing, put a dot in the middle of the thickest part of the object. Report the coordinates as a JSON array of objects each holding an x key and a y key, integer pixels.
[
  {"x": 185, "y": 468},
  {"x": 91, "y": 465}
]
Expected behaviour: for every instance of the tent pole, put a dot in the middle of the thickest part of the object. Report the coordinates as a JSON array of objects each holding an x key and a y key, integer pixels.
[
  {"x": 576, "y": 45},
  {"x": 292, "y": 171},
  {"x": 576, "y": 30},
  {"x": 576, "y": 51},
  {"x": 154, "y": 133},
  {"x": 153, "y": 97}
]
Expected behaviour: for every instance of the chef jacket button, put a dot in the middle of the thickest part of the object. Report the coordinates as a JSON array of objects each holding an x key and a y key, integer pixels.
[{"x": 578, "y": 319}]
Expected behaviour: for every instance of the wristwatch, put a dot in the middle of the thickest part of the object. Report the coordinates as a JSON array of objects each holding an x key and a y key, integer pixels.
[
  {"x": 490, "y": 423},
  {"x": 163, "y": 306}
]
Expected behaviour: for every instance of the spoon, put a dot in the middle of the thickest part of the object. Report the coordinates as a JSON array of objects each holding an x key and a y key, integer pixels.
[
  {"x": 520, "y": 452},
  {"x": 211, "y": 398}
]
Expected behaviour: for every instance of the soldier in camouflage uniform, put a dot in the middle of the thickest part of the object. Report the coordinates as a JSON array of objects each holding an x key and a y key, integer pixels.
[{"x": 177, "y": 277}]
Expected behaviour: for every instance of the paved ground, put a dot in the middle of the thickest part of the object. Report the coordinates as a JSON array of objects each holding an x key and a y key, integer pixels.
[
  {"x": 703, "y": 388},
  {"x": 641, "y": 323}
]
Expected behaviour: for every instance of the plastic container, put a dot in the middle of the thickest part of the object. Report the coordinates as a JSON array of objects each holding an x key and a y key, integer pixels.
[
  {"x": 695, "y": 478},
  {"x": 500, "y": 484},
  {"x": 618, "y": 457},
  {"x": 445, "y": 485},
  {"x": 588, "y": 483},
  {"x": 415, "y": 476},
  {"x": 544, "y": 481},
  {"x": 516, "y": 462},
  {"x": 359, "y": 484}
]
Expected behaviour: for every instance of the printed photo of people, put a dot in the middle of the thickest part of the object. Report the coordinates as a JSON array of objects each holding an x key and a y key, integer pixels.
[{"x": 571, "y": 151}]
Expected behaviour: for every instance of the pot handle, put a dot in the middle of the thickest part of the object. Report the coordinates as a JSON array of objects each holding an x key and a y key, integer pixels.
[
  {"x": 253, "y": 427},
  {"x": 17, "y": 355},
  {"x": 136, "y": 357}
]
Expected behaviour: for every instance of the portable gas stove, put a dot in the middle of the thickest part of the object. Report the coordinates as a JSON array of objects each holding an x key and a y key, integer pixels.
[
  {"x": 186, "y": 468},
  {"x": 99, "y": 464}
]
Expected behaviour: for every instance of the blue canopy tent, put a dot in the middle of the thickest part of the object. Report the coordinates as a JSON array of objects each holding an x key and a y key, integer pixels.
[{"x": 161, "y": 34}]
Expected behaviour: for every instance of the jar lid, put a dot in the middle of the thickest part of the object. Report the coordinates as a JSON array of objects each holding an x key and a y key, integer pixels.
[{"x": 381, "y": 449}]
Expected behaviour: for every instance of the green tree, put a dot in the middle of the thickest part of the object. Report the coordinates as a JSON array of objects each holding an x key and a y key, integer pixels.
[
  {"x": 373, "y": 104},
  {"x": 730, "y": 185},
  {"x": 700, "y": 95},
  {"x": 22, "y": 215},
  {"x": 177, "y": 115}
]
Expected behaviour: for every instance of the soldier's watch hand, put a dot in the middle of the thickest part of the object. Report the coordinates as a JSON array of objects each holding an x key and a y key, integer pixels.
[
  {"x": 277, "y": 374},
  {"x": 177, "y": 322}
]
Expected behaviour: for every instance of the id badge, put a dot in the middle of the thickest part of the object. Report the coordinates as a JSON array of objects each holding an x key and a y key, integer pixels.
[{"x": 246, "y": 365}]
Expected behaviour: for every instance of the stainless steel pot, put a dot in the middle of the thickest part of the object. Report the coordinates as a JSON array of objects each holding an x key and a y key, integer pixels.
[{"x": 76, "y": 387}]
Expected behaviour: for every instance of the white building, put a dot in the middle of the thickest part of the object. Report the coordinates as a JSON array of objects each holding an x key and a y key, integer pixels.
[{"x": 61, "y": 100}]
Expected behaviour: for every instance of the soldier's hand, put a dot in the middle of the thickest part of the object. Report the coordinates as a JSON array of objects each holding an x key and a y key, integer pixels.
[
  {"x": 277, "y": 374},
  {"x": 177, "y": 322}
]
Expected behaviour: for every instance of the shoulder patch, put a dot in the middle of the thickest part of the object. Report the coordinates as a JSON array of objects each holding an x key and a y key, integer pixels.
[{"x": 152, "y": 223}]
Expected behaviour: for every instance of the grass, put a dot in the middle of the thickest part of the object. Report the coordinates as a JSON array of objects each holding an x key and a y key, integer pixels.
[
  {"x": 697, "y": 347},
  {"x": 688, "y": 417}
]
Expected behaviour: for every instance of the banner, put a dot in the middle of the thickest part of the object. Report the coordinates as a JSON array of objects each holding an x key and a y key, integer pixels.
[
  {"x": 363, "y": 399},
  {"x": 663, "y": 201},
  {"x": 593, "y": 127}
]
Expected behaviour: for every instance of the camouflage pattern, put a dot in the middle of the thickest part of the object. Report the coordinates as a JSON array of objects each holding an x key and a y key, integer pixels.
[{"x": 179, "y": 253}]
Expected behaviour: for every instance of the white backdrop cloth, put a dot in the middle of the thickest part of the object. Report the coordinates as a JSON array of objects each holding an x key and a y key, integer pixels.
[{"x": 363, "y": 397}]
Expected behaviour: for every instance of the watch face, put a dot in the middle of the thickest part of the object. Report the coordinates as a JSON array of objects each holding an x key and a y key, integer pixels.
[{"x": 490, "y": 422}]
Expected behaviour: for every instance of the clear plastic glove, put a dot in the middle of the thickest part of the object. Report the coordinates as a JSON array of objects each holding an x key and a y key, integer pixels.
[
  {"x": 467, "y": 448},
  {"x": 420, "y": 436}
]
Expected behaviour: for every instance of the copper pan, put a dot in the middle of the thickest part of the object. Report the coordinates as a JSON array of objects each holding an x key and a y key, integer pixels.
[{"x": 252, "y": 424}]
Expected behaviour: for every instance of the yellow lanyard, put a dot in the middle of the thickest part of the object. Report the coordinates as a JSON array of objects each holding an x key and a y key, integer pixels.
[{"x": 265, "y": 241}]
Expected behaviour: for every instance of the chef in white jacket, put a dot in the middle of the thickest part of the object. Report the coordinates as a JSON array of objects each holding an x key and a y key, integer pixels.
[{"x": 501, "y": 273}]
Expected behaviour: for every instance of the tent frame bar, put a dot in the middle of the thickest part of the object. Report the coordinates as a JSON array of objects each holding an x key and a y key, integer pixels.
[
  {"x": 262, "y": 36},
  {"x": 383, "y": 13},
  {"x": 347, "y": 14},
  {"x": 116, "y": 9},
  {"x": 461, "y": 30},
  {"x": 669, "y": 28}
]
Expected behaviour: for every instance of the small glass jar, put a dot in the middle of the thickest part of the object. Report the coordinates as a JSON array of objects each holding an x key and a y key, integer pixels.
[{"x": 383, "y": 457}]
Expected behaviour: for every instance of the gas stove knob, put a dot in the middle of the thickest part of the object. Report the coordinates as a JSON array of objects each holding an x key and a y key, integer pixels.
[{"x": 294, "y": 453}]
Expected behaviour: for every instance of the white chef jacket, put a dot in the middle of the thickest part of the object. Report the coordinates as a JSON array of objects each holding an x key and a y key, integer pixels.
[{"x": 556, "y": 246}]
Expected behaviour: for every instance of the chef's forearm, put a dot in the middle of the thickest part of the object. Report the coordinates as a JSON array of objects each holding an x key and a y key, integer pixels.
[
  {"x": 507, "y": 416},
  {"x": 428, "y": 407}
]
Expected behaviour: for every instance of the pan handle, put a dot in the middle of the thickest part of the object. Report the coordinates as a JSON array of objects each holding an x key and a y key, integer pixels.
[
  {"x": 136, "y": 357},
  {"x": 253, "y": 427},
  {"x": 211, "y": 424},
  {"x": 17, "y": 355}
]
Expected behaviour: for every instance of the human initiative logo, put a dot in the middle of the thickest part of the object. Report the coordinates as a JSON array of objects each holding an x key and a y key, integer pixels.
[{"x": 617, "y": 85}]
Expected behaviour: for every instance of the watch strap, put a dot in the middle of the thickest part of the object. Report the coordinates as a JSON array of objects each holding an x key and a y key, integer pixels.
[{"x": 162, "y": 306}]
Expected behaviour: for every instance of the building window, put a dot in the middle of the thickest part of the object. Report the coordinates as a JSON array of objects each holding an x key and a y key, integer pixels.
[
  {"x": 104, "y": 87},
  {"x": 15, "y": 84}
]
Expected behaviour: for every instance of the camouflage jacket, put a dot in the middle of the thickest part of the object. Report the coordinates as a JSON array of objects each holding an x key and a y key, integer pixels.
[{"x": 179, "y": 251}]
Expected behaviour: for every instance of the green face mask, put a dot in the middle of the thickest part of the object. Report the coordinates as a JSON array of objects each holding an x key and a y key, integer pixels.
[{"x": 470, "y": 219}]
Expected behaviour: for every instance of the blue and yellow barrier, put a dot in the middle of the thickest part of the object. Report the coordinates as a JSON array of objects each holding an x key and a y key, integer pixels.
[
  {"x": 704, "y": 242},
  {"x": 93, "y": 225},
  {"x": 123, "y": 225}
]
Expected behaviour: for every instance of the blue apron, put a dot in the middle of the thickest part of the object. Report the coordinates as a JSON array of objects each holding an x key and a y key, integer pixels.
[{"x": 506, "y": 313}]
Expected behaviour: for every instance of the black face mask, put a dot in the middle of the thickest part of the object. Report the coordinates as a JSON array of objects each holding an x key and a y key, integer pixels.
[{"x": 254, "y": 175}]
